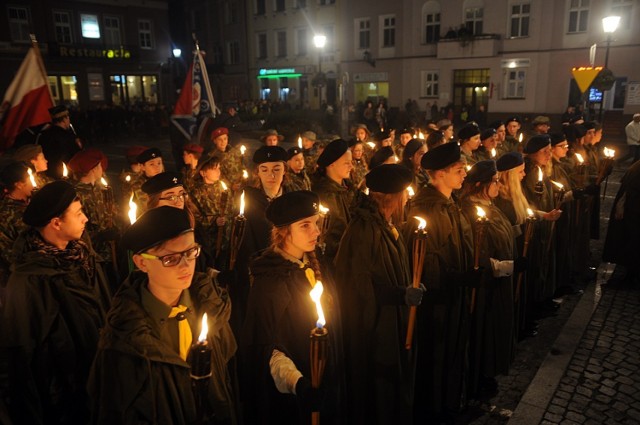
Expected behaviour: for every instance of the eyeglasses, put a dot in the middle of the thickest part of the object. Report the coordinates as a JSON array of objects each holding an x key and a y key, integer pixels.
[
  {"x": 172, "y": 260},
  {"x": 175, "y": 198}
]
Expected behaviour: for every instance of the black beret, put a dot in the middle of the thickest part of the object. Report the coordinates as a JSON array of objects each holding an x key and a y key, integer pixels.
[
  {"x": 156, "y": 226},
  {"x": 579, "y": 131},
  {"x": 468, "y": 131},
  {"x": 354, "y": 142},
  {"x": 148, "y": 155},
  {"x": 380, "y": 157},
  {"x": 441, "y": 156},
  {"x": 411, "y": 148},
  {"x": 293, "y": 151},
  {"x": 162, "y": 181},
  {"x": 589, "y": 125},
  {"x": 58, "y": 111},
  {"x": 49, "y": 202},
  {"x": 404, "y": 130},
  {"x": 292, "y": 207},
  {"x": 270, "y": 154},
  {"x": 557, "y": 138},
  {"x": 332, "y": 152},
  {"x": 514, "y": 118},
  {"x": 389, "y": 178},
  {"x": 381, "y": 135},
  {"x": 496, "y": 124},
  {"x": 509, "y": 160},
  {"x": 489, "y": 132},
  {"x": 536, "y": 143},
  {"x": 482, "y": 172}
]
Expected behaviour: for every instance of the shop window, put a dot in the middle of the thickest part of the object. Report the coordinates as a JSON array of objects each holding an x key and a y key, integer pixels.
[{"x": 64, "y": 89}]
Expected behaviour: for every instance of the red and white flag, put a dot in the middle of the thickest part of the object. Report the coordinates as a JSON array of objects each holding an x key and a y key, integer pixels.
[{"x": 27, "y": 100}]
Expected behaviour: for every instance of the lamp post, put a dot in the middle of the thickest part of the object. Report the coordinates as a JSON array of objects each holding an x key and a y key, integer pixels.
[
  {"x": 609, "y": 25},
  {"x": 319, "y": 40}
]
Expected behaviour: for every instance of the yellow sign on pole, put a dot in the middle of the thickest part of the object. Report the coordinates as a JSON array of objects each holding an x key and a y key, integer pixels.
[{"x": 585, "y": 75}]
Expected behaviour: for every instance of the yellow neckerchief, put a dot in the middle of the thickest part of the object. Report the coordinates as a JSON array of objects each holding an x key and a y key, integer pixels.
[{"x": 304, "y": 264}]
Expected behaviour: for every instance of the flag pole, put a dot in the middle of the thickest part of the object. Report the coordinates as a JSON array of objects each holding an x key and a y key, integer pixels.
[{"x": 36, "y": 49}]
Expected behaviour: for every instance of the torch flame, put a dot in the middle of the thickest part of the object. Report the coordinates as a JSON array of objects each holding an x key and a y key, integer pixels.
[
  {"x": 245, "y": 174},
  {"x": 323, "y": 209},
  {"x": 468, "y": 167},
  {"x": 224, "y": 186},
  {"x": 33, "y": 180},
  {"x": 579, "y": 157},
  {"x": 371, "y": 145},
  {"x": 242, "y": 204},
  {"x": 366, "y": 190},
  {"x": 133, "y": 209},
  {"x": 422, "y": 223},
  {"x": 128, "y": 178},
  {"x": 530, "y": 212},
  {"x": 480, "y": 212},
  {"x": 609, "y": 153},
  {"x": 493, "y": 152},
  {"x": 420, "y": 135},
  {"x": 243, "y": 149},
  {"x": 558, "y": 185},
  {"x": 540, "y": 174},
  {"x": 104, "y": 182},
  {"x": 204, "y": 329},
  {"x": 300, "y": 142},
  {"x": 410, "y": 191},
  {"x": 520, "y": 138},
  {"x": 316, "y": 293},
  {"x": 396, "y": 159},
  {"x": 65, "y": 172}
]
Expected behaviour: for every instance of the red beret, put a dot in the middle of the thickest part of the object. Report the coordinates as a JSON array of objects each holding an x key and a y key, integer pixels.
[
  {"x": 132, "y": 152},
  {"x": 84, "y": 161},
  {"x": 219, "y": 132},
  {"x": 192, "y": 147}
]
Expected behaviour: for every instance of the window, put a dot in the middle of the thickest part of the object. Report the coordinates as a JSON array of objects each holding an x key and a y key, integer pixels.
[
  {"x": 19, "y": 24},
  {"x": 279, "y": 5},
  {"x": 230, "y": 12},
  {"x": 328, "y": 32},
  {"x": 144, "y": 34},
  {"x": 261, "y": 45},
  {"x": 578, "y": 15},
  {"x": 62, "y": 23},
  {"x": 89, "y": 26},
  {"x": 261, "y": 7},
  {"x": 431, "y": 22},
  {"x": 302, "y": 39},
  {"x": 63, "y": 88},
  {"x": 429, "y": 83},
  {"x": 301, "y": 4},
  {"x": 217, "y": 54},
  {"x": 112, "y": 36},
  {"x": 363, "y": 27},
  {"x": 281, "y": 44},
  {"x": 515, "y": 83},
  {"x": 233, "y": 52},
  {"x": 388, "y": 31},
  {"x": 473, "y": 19},
  {"x": 623, "y": 9},
  {"x": 520, "y": 20}
]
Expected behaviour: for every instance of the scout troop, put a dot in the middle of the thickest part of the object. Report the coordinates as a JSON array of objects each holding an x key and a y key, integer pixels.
[{"x": 67, "y": 247}]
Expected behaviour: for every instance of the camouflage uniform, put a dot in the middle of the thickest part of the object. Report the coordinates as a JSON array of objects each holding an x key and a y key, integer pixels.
[
  {"x": 102, "y": 218},
  {"x": 398, "y": 150},
  {"x": 297, "y": 181},
  {"x": 139, "y": 197},
  {"x": 188, "y": 178},
  {"x": 310, "y": 160},
  {"x": 358, "y": 172},
  {"x": 231, "y": 165},
  {"x": 207, "y": 207},
  {"x": 11, "y": 225}
]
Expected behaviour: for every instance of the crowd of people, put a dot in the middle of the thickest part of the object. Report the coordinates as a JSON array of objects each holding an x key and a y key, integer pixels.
[{"x": 191, "y": 297}]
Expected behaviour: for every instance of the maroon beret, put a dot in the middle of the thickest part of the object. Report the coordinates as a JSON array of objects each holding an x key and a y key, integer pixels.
[
  {"x": 219, "y": 132},
  {"x": 192, "y": 147},
  {"x": 84, "y": 161}
]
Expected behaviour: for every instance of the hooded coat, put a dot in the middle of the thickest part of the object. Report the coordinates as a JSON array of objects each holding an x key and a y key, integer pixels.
[
  {"x": 138, "y": 378},
  {"x": 372, "y": 273}
]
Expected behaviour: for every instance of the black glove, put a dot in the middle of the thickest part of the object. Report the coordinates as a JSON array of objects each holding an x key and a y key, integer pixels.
[
  {"x": 310, "y": 399},
  {"x": 578, "y": 193},
  {"x": 592, "y": 189},
  {"x": 520, "y": 265},
  {"x": 413, "y": 296}
]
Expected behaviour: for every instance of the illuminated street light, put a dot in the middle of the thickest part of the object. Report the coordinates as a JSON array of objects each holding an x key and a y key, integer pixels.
[
  {"x": 609, "y": 25},
  {"x": 320, "y": 40},
  {"x": 177, "y": 52}
]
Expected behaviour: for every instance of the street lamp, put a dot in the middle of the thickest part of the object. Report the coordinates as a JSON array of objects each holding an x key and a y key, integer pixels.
[
  {"x": 320, "y": 40},
  {"x": 609, "y": 25},
  {"x": 177, "y": 52}
]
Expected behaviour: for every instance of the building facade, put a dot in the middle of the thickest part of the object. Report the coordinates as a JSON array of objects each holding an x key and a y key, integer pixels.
[{"x": 95, "y": 52}]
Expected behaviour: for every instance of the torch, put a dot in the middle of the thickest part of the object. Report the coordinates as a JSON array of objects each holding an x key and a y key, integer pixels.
[
  {"x": 237, "y": 233},
  {"x": 580, "y": 182},
  {"x": 520, "y": 138},
  {"x": 107, "y": 198},
  {"x": 539, "y": 187},
  {"x": 419, "y": 251},
  {"x": 224, "y": 198},
  {"x": 133, "y": 209},
  {"x": 410, "y": 194},
  {"x": 300, "y": 142},
  {"x": 558, "y": 198},
  {"x": 480, "y": 227},
  {"x": 65, "y": 171},
  {"x": 243, "y": 149},
  {"x": 493, "y": 153},
  {"x": 606, "y": 162},
  {"x": 528, "y": 233},
  {"x": 318, "y": 347},
  {"x": 324, "y": 220},
  {"x": 200, "y": 358},
  {"x": 32, "y": 178}
]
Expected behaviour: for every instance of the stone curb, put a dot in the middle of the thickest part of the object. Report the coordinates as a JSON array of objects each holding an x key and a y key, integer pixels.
[{"x": 534, "y": 402}]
